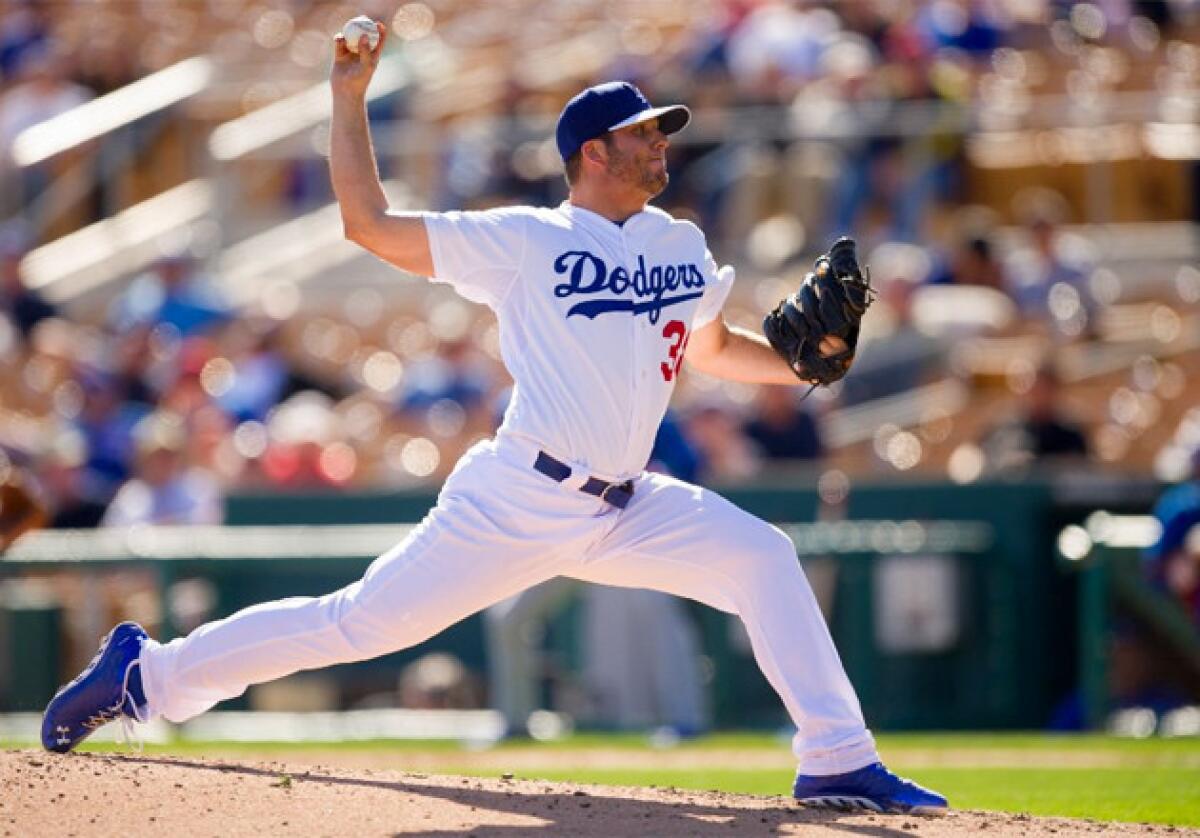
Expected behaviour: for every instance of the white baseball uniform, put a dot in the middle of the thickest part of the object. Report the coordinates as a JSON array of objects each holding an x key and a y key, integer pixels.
[{"x": 594, "y": 320}]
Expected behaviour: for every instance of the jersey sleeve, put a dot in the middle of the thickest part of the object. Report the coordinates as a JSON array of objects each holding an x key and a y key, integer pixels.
[
  {"x": 477, "y": 253},
  {"x": 717, "y": 283}
]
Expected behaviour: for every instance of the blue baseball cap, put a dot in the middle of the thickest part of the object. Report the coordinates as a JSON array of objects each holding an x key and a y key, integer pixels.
[{"x": 607, "y": 107}]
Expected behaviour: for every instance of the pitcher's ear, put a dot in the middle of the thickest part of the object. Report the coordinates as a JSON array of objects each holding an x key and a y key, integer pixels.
[{"x": 591, "y": 150}]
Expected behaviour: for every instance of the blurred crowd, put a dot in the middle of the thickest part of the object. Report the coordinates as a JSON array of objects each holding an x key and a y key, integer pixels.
[
  {"x": 173, "y": 399},
  {"x": 812, "y": 119}
]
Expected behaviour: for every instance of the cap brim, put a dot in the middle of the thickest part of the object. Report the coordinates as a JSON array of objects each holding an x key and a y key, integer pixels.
[{"x": 672, "y": 118}]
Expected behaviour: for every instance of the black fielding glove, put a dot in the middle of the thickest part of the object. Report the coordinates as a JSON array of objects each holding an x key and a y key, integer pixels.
[{"x": 830, "y": 302}]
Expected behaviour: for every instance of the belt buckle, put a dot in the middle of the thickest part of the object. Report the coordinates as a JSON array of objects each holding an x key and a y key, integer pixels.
[{"x": 626, "y": 488}]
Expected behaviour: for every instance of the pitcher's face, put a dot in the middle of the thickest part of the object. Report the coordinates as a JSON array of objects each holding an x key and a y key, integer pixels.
[{"x": 637, "y": 156}]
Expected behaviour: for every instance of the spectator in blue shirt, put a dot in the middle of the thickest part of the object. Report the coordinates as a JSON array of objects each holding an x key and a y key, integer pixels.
[{"x": 1171, "y": 562}]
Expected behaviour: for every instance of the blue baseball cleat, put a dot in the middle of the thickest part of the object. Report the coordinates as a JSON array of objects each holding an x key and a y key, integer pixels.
[
  {"x": 109, "y": 689},
  {"x": 873, "y": 788}
]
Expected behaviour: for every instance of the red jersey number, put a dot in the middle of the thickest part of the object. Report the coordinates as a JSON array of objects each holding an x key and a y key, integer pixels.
[{"x": 677, "y": 333}]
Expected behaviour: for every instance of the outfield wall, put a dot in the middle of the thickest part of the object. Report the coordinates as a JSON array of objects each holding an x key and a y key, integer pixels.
[{"x": 947, "y": 602}]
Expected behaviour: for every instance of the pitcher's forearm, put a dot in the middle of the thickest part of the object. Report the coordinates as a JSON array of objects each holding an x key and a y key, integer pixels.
[
  {"x": 750, "y": 359},
  {"x": 352, "y": 165},
  {"x": 737, "y": 354}
]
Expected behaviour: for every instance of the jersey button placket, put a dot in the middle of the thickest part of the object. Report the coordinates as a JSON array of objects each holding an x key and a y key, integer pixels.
[{"x": 636, "y": 337}]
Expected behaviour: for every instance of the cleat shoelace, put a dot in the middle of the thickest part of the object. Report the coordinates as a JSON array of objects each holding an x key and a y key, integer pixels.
[
  {"x": 103, "y": 717},
  {"x": 117, "y": 711}
]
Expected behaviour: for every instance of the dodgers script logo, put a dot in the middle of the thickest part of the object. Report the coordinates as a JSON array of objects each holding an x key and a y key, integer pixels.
[{"x": 588, "y": 274}]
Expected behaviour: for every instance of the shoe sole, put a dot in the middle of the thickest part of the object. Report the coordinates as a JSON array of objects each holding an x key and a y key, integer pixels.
[{"x": 844, "y": 803}]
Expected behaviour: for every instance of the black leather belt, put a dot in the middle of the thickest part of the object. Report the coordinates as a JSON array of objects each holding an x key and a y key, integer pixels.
[{"x": 618, "y": 494}]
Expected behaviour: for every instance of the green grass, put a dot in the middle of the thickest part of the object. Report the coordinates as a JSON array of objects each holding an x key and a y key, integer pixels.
[
  {"x": 1122, "y": 795},
  {"x": 1136, "y": 795},
  {"x": 1180, "y": 751},
  {"x": 1099, "y": 777},
  {"x": 1156, "y": 795},
  {"x": 1135, "y": 780}
]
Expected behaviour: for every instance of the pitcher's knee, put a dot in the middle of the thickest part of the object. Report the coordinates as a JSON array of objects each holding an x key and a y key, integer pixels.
[{"x": 771, "y": 555}]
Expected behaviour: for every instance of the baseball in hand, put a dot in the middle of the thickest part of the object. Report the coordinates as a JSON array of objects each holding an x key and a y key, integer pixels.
[{"x": 355, "y": 28}]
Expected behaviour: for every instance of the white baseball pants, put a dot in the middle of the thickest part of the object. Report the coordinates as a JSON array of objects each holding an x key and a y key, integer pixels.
[{"x": 499, "y": 527}]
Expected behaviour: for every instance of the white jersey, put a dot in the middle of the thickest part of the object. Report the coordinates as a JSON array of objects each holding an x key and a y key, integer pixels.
[{"x": 594, "y": 319}]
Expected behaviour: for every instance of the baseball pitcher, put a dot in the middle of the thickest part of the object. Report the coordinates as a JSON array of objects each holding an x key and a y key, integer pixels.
[{"x": 599, "y": 300}]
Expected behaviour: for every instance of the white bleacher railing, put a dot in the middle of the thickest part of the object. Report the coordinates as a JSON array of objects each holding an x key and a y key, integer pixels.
[
  {"x": 122, "y": 107},
  {"x": 82, "y": 261}
]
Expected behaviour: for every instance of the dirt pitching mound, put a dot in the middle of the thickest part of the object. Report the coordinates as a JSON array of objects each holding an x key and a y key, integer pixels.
[{"x": 100, "y": 794}]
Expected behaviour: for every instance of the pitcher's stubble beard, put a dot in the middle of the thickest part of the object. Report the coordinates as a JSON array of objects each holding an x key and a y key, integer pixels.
[{"x": 628, "y": 169}]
